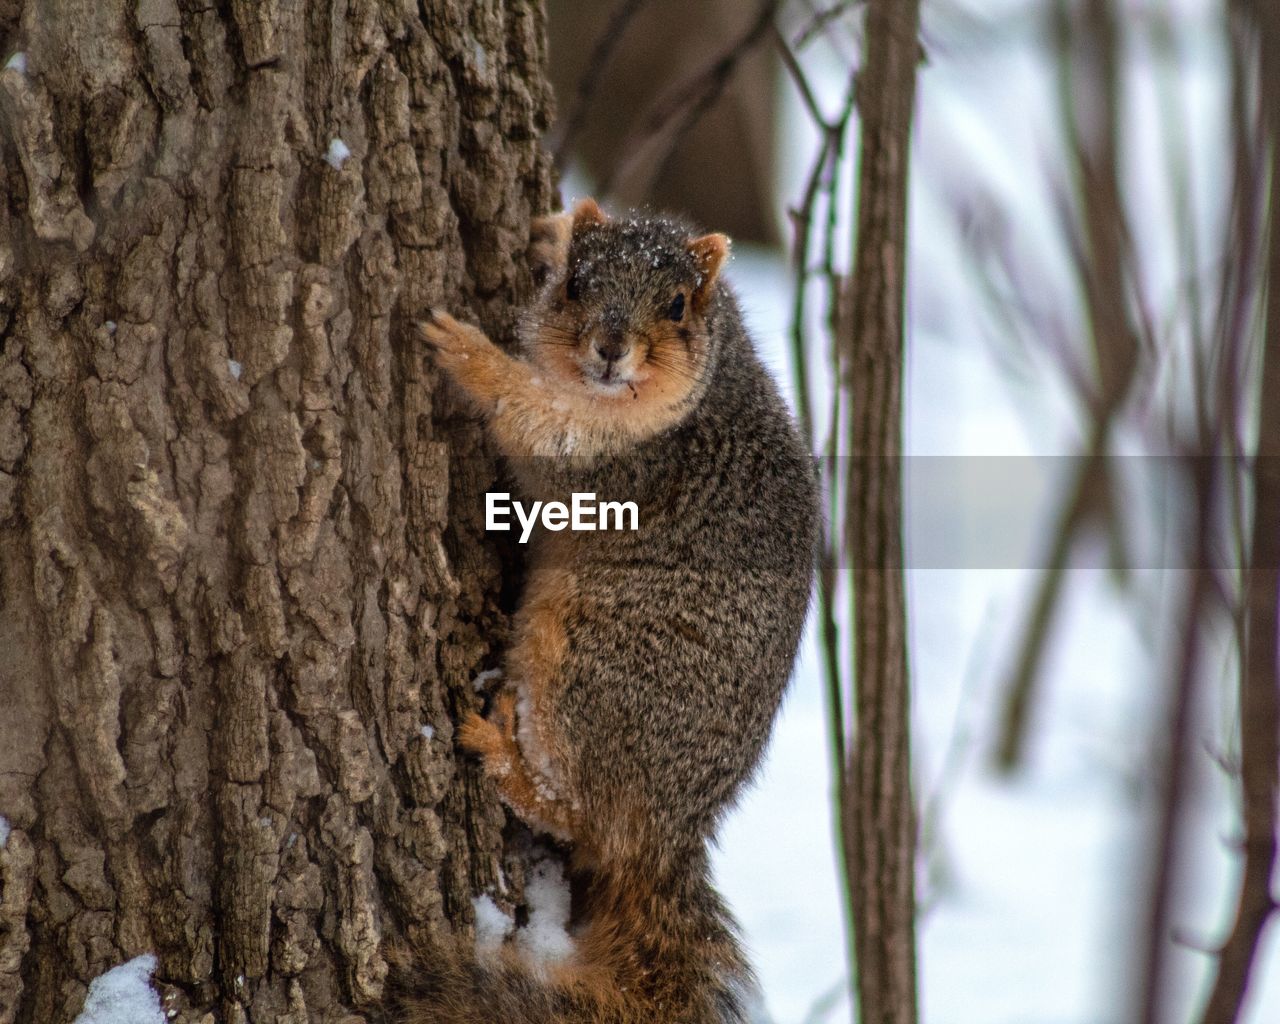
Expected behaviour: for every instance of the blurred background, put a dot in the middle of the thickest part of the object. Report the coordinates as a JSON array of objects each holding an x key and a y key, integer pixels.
[{"x": 1085, "y": 331}]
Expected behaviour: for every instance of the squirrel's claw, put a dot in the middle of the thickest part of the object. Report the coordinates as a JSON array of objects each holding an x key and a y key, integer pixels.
[
  {"x": 447, "y": 337},
  {"x": 436, "y": 325},
  {"x": 428, "y": 329}
]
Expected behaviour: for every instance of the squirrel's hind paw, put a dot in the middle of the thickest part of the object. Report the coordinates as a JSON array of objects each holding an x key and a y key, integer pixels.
[
  {"x": 495, "y": 735},
  {"x": 477, "y": 735}
]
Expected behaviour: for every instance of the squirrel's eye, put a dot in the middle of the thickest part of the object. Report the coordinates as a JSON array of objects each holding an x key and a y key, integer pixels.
[
  {"x": 676, "y": 312},
  {"x": 571, "y": 288}
]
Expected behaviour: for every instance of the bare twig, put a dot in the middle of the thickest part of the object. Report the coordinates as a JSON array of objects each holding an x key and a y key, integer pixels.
[
  {"x": 601, "y": 53},
  {"x": 649, "y": 146},
  {"x": 1237, "y": 287},
  {"x": 825, "y": 169},
  {"x": 1105, "y": 269},
  {"x": 1178, "y": 753},
  {"x": 1086, "y": 497},
  {"x": 822, "y": 19},
  {"x": 801, "y": 80},
  {"x": 822, "y": 180},
  {"x": 1259, "y": 684},
  {"x": 1257, "y": 627},
  {"x": 802, "y": 219}
]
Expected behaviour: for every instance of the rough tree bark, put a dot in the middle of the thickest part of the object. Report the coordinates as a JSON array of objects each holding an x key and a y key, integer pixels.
[{"x": 243, "y": 588}]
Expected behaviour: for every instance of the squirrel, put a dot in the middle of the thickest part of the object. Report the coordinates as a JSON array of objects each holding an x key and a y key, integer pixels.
[{"x": 645, "y": 667}]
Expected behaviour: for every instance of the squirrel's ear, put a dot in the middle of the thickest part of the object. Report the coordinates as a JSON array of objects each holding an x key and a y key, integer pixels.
[
  {"x": 549, "y": 246},
  {"x": 708, "y": 253},
  {"x": 587, "y": 213}
]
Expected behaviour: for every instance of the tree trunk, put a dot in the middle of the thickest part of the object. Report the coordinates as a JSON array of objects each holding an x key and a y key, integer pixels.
[
  {"x": 243, "y": 586},
  {"x": 877, "y": 813}
]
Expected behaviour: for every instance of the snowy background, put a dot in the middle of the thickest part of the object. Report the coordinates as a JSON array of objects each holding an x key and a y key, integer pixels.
[{"x": 1033, "y": 886}]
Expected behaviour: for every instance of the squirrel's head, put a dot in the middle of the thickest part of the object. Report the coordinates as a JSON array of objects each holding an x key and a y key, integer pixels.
[{"x": 625, "y": 306}]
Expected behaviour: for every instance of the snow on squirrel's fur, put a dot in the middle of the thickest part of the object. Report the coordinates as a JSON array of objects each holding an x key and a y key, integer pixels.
[{"x": 124, "y": 995}]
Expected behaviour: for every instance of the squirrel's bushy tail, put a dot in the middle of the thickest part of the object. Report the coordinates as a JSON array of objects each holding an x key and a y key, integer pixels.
[{"x": 650, "y": 950}]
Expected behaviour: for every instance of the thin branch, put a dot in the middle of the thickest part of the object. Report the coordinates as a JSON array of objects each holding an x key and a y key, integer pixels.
[
  {"x": 801, "y": 80},
  {"x": 1177, "y": 754},
  {"x": 600, "y": 55},
  {"x": 802, "y": 222},
  {"x": 1237, "y": 287},
  {"x": 1104, "y": 265},
  {"x": 1259, "y": 681},
  {"x": 678, "y": 110},
  {"x": 1087, "y": 494},
  {"x": 822, "y": 19},
  {"x": 825, "y": 169}
]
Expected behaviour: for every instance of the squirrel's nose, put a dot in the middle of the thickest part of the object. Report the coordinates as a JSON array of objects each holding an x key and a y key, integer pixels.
[{"x": 611, "y": 349}]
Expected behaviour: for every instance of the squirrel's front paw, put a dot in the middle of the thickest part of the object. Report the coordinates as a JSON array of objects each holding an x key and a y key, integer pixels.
[{"x": 453, "y": 342}]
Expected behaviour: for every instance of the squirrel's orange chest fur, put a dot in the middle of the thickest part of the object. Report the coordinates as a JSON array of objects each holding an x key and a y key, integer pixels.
[
  {"x": 662, "y": 370},
  {"x": 613, "y": 354}
]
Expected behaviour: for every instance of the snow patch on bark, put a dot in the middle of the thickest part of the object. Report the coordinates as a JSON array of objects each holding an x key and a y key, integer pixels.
[
  {"x": 124, "y": 995},
  {"x": 545, "y": 938},
  {"x": 492, "y": 925},
  {"x": 482, "y": 681},
  {"x": 338, "y": 154}
]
